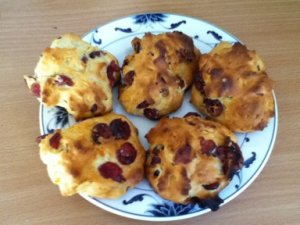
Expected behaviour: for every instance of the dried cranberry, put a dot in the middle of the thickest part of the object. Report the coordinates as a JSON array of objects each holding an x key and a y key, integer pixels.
[
  {"x": 156, "y": 173},
  {"x": 180, "y": 82},
  {"x": 64, "y": 80},
  {"x": 215, "y": 72},
  {"x": 207, "y": 146},
  {"x": 125, "y": 63},
  {"x": 231, "y": 157},
  {"x": 40, "y": 138},
  {"x": 183, "y": 155},
  {"x": 129, "y": 77},
  {"x": 111, "y": 170},
  {"x": 101, "y": 130},
  {"x": 136, "y": 44},
  {"x": 152, "y": 114},
  {"x": 54, "y": 141},
  {"x": 36, "y": 89},
  {"x": 143, "y": 105},
  {"x": 213, "y": 106},
  {"x": 120, "y": 129},
  {"x": 126, "y": 154},
  {"x": 156, "y": 150},
  {"x": 211, "y": 186},
  {"x": 191, "y": 114},
  {"x": 155, "y": 160},
  {"x": 112, "y": 67},
  {"x": 84, "y": 59},
  {"x": 199, "y": 83},
  {"x": 94, "y": 108},
  {"x": 95, "y": 54}
]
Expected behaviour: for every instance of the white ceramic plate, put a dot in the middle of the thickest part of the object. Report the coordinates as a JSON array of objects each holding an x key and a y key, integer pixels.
[{"x": 141, "y": 202}]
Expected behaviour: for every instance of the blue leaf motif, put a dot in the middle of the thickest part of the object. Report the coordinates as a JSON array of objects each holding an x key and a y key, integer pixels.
[
  {"x": 170, "y": 209},
  {"x": 97, "y": 41},
  {"x": 125, "y": 30},
  {"x": 175, "y": 25},
  {"x": 136, "y": 198},
  {"x": 61, "y": 116},
  {"x": 145, "y": 18},
  {"x": 250, "y": 160},
  {"x": 215, "y": 35}
]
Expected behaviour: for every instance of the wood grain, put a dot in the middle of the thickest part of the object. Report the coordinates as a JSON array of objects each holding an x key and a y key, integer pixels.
[{"x": 26, "y": 195}]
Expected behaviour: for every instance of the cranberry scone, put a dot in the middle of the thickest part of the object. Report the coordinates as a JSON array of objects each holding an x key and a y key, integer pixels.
[
  {"x": 157, "y": 74},
  {"x": 100, "y": 157},
  {"x": 233, "y": 88},
  {"x": 191, "y": 159},
  {"x": 76, "y": 76}
]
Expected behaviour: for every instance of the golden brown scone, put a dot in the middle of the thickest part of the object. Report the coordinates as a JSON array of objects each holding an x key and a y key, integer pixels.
[
  {"x": 101, "y": 157},
  {"x": 75, "y": 75},
  {"x": 233, "y": 88},
  {"x": 191, "y": 158},
  {"x": 157, "y": 74}
]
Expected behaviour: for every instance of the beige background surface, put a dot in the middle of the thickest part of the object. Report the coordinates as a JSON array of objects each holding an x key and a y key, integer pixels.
[{"x": 27, "y": 27}]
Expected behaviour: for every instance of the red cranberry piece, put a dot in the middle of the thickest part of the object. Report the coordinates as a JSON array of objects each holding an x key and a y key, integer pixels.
[
  {"x": 231, "y": 157},
  {"x": 156, "y": 173},
  {"x": 84, "y": 59},
  {"x": 211, "y": 186},
  {"x": 101, "y": 130},
  {"x": 40, "y": 138},
  {"x": 136, "y": 44},
  {"x": 191, "y": 114},
  {"x": 199, "y": 83},
  {"x": 152, "y": 114},
  {"x": 213, "y": 106},
  {"x": 126, "y": 154},
  {"x": 95, "y": 54},
  {"x": 111, "y": 170},
  {"x": 120, "y": 129},
  {"x": 125, "y": 63},
  {"x": 143, "y": 104},
  {"x": 94, "y": 108},
  {"x": 207, "y": 146},
  {"x": 183, "y": 155},
  {"x": 54, "y": 141},
  {"x": 180, "y": 82},
  {"x": 36, "y": 89},
  {"x": 64, "y": 80},
  {"x": 111, "y": 69},
  {"x": 129, "y": 77},
  {"x": 216, "y": 72},
  {"x": 155, "y": 160}
]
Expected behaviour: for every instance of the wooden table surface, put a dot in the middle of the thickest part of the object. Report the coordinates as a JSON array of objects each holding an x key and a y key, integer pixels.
[{"x": 27, "y": 27}]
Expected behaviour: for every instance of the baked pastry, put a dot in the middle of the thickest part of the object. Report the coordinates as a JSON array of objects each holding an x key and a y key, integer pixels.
[
  {"x": 191, "y": 159},
  {"x": 101, "y": 157},
  {"x": 157, "y": 74},
  {"x": 233, "y": 88},
  {"x": 76, "y": 76}
]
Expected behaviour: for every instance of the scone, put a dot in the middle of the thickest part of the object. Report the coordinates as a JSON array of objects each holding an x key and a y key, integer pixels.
[
  {"x": 191, "y": 159},
  {"x": 233, "y": 88},
  {"x": 100, "y": 157},
  {"x": 76, "y": 76},
  {"x": 157, "y": 74}
]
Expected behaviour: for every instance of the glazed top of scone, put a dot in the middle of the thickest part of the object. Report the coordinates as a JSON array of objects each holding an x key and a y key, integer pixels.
[
  {"x": 157, "y": 73},
  {"x": 75, "y": 75},
  {"x": 191, "y": 158},
  {"x": 100, "y": 156},
  {"x": 233, "y": 88}
]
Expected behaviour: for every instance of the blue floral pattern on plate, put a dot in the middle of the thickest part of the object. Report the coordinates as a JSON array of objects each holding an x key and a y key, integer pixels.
[{"x": 142, "y": 202}]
